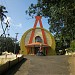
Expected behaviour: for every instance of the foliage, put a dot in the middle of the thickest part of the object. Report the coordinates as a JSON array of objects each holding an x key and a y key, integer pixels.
[
  {"x": 2, "y": 17},
  {"x": 72, "y": 45},
  {"x": 61, "y": 17},
  {"x": 7, "y": 44},
  {"x": 17, "y": 48},
  {"x": 2, "y": 12}
]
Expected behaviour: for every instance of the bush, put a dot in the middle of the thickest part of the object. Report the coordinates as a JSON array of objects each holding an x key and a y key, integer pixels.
[{"x": 72, "y": 45}]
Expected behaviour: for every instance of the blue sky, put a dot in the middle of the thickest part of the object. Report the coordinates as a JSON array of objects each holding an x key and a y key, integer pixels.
[{"x": 19, "y": 21}]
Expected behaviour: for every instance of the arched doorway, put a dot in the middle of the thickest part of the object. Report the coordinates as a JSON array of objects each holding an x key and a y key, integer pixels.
[{"x": 38, "y": 39}]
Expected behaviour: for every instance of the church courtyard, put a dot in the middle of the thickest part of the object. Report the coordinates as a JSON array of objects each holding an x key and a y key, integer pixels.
[{"x": 44, "y": 65}]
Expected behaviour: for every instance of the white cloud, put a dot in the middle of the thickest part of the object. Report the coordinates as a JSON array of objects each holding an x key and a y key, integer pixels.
[
  {"x": 1, "y": 31},
  {"x": 9, "y": 19},
  {"x": 11, "y": 22},
  {"x": 19, "y": 25}
]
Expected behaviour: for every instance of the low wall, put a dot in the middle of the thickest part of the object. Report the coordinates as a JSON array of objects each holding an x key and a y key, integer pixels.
[{"x": 9, "y": 64}]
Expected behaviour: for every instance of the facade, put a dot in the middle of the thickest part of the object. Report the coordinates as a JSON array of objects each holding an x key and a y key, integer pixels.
[{"x": 37, "y": 39}]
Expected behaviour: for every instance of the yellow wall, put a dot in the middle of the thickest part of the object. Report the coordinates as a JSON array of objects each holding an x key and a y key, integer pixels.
[
  {"x": 22, "y": 43},
  {"x": 49, "y": 37}
]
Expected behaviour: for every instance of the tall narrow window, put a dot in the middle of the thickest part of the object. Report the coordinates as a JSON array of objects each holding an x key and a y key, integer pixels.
[{"x": 38, "y": 39}]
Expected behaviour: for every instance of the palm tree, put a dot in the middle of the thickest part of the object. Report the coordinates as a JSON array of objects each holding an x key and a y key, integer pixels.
[{"x": 2, "y": 16}]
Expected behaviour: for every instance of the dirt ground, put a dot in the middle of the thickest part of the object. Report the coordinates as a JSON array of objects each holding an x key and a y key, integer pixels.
[{"x": 44, "y": 65}]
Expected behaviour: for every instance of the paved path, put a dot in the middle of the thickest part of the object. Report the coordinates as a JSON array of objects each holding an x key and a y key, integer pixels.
[
  {"x": 72, "y": 65},
  {"x": 42, "y": 65}
]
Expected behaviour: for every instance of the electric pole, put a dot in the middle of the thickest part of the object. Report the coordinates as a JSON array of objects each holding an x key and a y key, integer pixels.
[{"x": 15, "y": 42}]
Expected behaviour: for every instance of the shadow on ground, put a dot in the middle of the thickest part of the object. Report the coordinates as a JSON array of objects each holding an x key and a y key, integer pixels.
[{"x": 15, "y": 68}]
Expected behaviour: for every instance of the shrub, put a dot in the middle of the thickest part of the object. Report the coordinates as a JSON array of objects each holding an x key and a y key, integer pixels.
[{"x": 72, "y": 45}]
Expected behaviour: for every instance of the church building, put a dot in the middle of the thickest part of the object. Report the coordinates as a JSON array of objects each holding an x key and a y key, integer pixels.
[{"x": 37, "y": 38}]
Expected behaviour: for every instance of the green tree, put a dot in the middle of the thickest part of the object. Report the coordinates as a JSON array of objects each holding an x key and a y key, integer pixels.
[
  {"x": 61, "y": 17},
  {"x": 7, "y": 44},
  {"x": 17, "y": 48},
  {"x": 72, "y": 46},
  {"x": 60, "y": 14}
]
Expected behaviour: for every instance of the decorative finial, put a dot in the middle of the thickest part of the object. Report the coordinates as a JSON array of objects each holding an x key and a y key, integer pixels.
[{"x": 38, "y": 9}]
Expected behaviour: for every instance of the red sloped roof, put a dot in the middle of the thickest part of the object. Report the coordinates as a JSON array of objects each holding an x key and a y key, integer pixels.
[{"x": 37, "y": 44}]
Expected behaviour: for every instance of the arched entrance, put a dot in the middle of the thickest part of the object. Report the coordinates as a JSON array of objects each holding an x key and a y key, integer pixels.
[
  {"x": 33, "y": 48},
  {"x": 38, "y": 39}
]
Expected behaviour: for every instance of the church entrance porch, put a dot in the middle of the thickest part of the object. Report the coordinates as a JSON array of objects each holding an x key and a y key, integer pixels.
[{"x": 34, "y": 49}]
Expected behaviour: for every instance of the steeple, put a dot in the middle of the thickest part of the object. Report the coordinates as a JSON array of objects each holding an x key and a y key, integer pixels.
[{"x": 38, "y": 19}]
